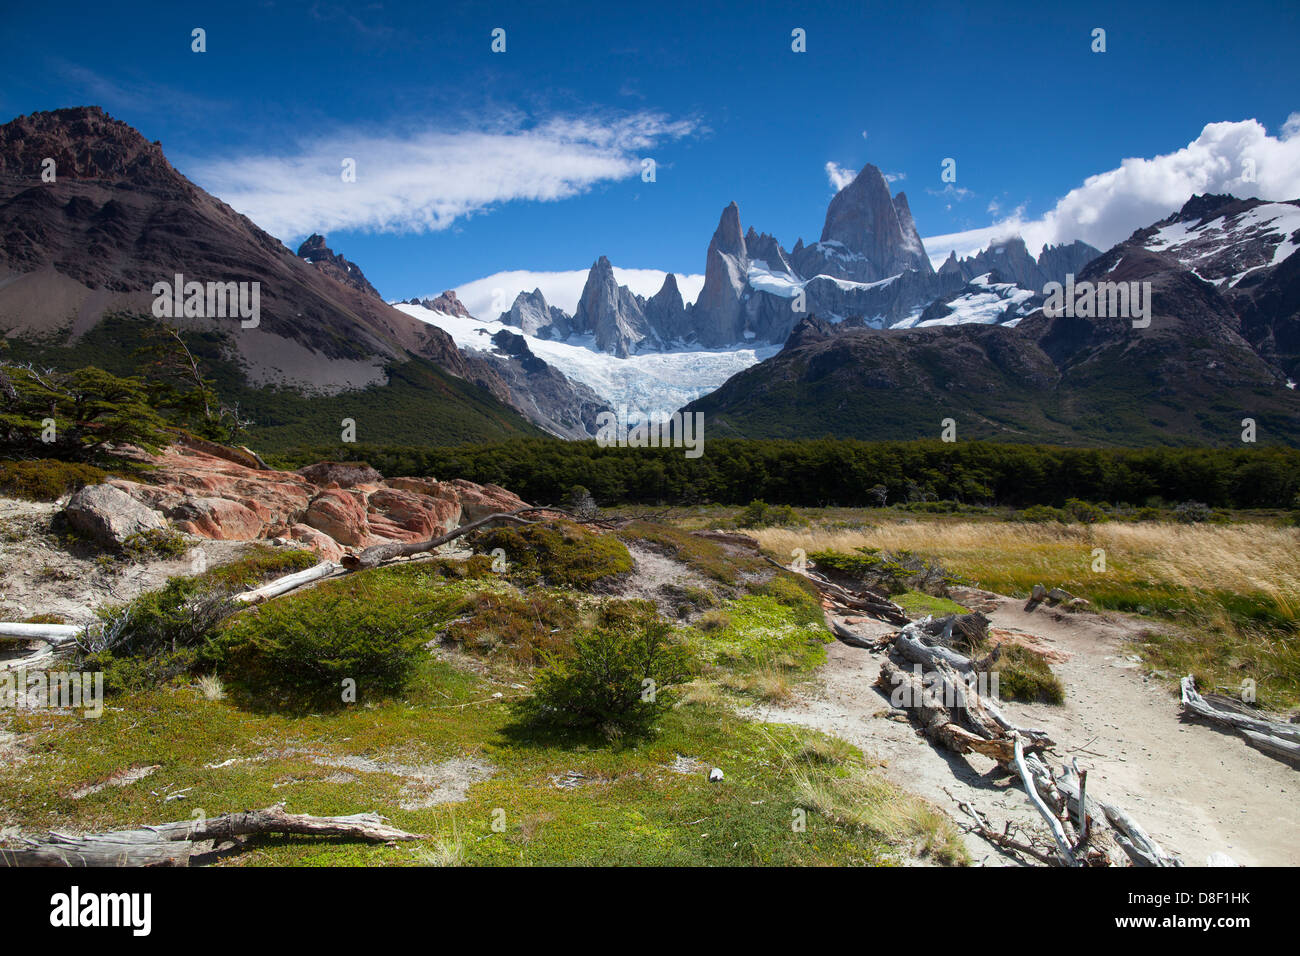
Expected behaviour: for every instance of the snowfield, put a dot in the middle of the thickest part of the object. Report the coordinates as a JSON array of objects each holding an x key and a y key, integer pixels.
[{"x": 649, "y": 382}]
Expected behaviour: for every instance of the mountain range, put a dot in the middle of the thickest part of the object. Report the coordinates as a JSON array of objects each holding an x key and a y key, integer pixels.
[{"x": 856, "y": 334}]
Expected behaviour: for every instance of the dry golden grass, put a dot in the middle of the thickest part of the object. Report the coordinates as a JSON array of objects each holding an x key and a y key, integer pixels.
[
  {"x": 1244, "y": 559},
  {"x": 1226, "y": 597}
]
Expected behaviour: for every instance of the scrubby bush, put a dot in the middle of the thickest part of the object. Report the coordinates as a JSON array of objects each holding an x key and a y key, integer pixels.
[
  {"x": 300, "y": 650},
  {"x": 1193, "y": 512},
  {"x": 1027, "y": 677},
  {"x": 617, "y": 678},
  {"x": 1084, "y": 512},
  {"x": 523, "y": 628},
  {"x": 561, "y": 553}
]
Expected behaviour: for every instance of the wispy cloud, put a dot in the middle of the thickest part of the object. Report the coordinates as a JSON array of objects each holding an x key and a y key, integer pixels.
[
  {"x": 426, "y": 181},
  {"x": 1240, "y": 158},
  {"x": 839, "y": 176}
]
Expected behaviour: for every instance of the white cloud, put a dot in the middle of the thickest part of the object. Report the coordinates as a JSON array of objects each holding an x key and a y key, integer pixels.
[
  {"x": 839, "y": 176},
  {"x": 1240, "y": 158},
  {"x": 484, "y": 297},
  {"x": 895, "y": 177},
  {"x": 427, "y": 181}
]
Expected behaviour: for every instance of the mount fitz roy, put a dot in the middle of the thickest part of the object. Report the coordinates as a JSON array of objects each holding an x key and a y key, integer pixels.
[
  {"x": 869, "y": 268},
  {"x": 855, "y": 334}
]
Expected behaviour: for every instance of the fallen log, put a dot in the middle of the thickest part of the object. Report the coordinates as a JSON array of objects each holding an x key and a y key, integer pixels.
[
  {"x": 1271, "y": 736},
  {"x": 53, "y": 634},
  {"x": 1063, "y": 843},
  {"x": 288, "y": 583},
  {"x": 172, "y": 844}
]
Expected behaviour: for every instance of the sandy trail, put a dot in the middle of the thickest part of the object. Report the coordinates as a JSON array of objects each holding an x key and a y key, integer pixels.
[{"x": 1195, "y": 790}]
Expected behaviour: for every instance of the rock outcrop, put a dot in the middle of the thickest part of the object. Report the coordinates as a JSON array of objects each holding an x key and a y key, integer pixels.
[
  {"x": 612, "y": 313},
  {"x": 327, "y": 507},
  {"x": 335, "y": 266}
]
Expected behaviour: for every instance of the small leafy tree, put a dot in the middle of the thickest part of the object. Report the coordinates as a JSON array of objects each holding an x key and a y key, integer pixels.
[{"x": 177, "y": 384}]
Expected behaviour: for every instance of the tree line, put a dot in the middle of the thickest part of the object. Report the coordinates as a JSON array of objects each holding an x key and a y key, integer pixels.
[{"x": 850, "y": 473}]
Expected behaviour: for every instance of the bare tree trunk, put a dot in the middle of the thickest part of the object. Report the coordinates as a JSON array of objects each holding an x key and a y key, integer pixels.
[{"x": 172, "y": 844}]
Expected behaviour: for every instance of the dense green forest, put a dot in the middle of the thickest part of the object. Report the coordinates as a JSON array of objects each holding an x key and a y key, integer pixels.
[{"x": 848, "y": 473}]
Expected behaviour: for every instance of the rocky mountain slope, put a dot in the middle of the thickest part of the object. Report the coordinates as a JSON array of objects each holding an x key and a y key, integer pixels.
[
  {"x": 118, "y": 219},
  {"x": 1192, "y": 375}
]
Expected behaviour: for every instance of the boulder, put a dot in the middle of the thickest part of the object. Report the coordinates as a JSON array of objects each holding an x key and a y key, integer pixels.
[
  {"x": 318, "y": 541},
  {"x": 345, "y": 474},
  {"x": 108, "y": 515},
  {"x": 220, "y": 519},
  {"x": 341, "y": 514},
  {"x": 401, "y": 515},
  {"x": 478, "y": 501}
]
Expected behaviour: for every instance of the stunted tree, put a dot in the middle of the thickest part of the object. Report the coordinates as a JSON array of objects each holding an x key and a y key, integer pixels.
[{"x": 75, "y": 415}]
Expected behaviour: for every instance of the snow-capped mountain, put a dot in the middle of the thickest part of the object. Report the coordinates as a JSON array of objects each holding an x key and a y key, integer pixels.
[
  {"x": 1245, "y": 249},
  {"x": 645, "y": 382},
  {"x": 663, "y": 350}
]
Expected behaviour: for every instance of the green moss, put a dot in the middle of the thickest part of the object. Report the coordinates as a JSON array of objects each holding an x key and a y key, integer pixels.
[
  {"x": 918, "y": 604},
  {"x": 561, "y": 553},
  {"x": 47, "y": 479}
]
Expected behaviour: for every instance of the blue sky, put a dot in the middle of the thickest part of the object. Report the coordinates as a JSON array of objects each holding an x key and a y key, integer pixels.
[{"x": 471, "y": 162}]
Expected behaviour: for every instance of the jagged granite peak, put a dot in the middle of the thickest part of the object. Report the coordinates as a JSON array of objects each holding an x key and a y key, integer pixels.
[
  {"x": 665, "y": 311},
  {"x": 612, "y": 313},
  {"x": 315, "y": 251},
  {"x": 1056, "y": 262},
  {"x": 716, "y": 316},
  {"x": 911, "y": 238},
  {"x": 863, "y": 218},
  {"x": 950, "y": 265},
  {"x": 531, "y": 313},
  {"x": 764, "y": 248},
  {"x": 727, "y": 237}
]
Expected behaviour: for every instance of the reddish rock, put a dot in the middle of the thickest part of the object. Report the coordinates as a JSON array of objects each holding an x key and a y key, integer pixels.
[
  {"x": 218, "y": 518},
  {"x": 341, "y": 514},
  {"x": 318, "y": 541},
  {"x": 479, "y": 501},
  {"x": 325, "y": 506}
]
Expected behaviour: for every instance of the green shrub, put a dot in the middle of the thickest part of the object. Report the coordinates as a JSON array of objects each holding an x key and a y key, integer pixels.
[
  {"x": 617, "y": 679},
  {"x": 759, "y": 514},
  {"x": 562, "y": 553},
  {"x": 522, "y": 628},
  {"x": 154, "y": 543},
  {"x": 47, "y": 479},
  {"x": 298, "y": 651},
  {"x": 1084, "y": 512},
  {"x": 1041, "y": 514}
]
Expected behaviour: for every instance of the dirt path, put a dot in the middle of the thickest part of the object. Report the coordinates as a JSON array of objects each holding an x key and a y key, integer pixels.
[{"x": 1195, "y": 790}]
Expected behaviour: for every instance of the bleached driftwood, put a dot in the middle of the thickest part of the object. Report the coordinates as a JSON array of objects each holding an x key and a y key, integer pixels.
[
  {"x": 852, "y": 600},
  {"x": 1272, "y": 736},
  {"x": 288, "y": 583},
  {"x": 1054, "y": 824},
  {"x": 172, "y": 844},
  {"x": 53, "y": 634}
]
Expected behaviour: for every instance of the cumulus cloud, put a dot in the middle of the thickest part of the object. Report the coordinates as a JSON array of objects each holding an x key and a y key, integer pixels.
[
  {"x": 1240, "y": 158},
  {"x": 429, "y": 180},
  {"x": 488, "y": 297}
]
